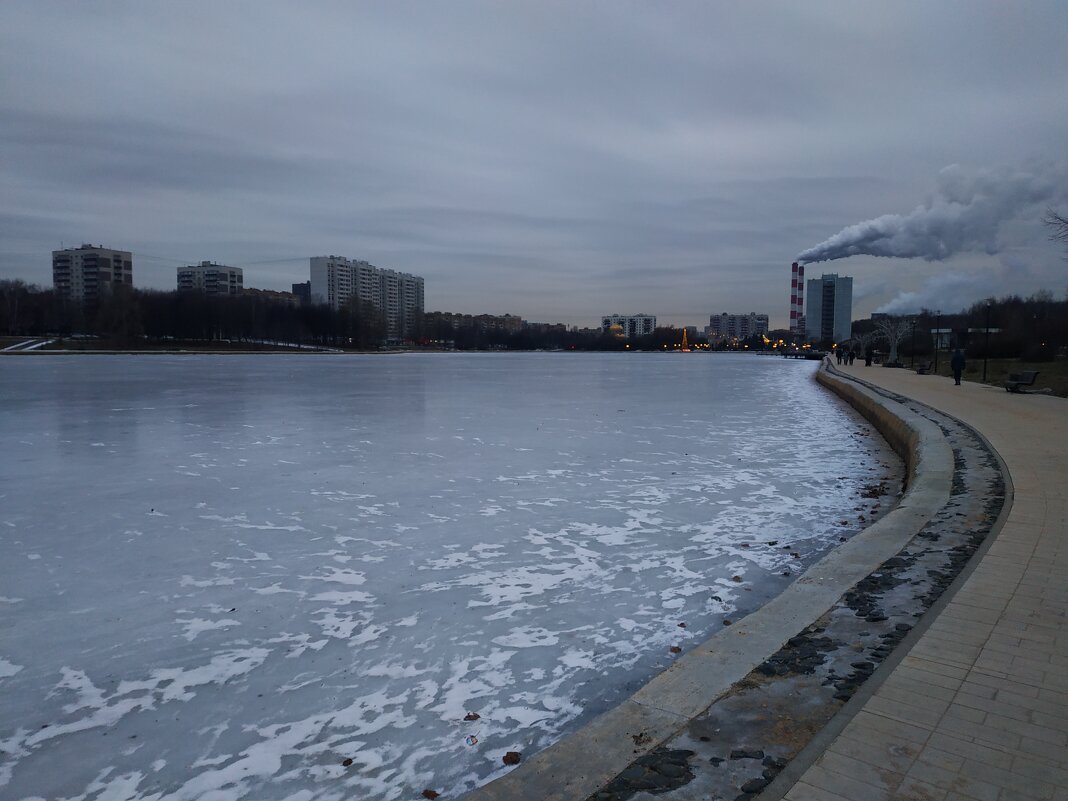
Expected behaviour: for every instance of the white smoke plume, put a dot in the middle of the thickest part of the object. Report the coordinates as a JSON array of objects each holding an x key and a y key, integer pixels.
[
  {"x": 964, "y": 213},
  {"x": 950, "y": 291}
]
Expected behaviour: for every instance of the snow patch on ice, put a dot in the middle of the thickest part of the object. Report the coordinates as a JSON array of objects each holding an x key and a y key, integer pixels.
[
  {"x": 218, "y": 581},
  {"x": 527, "y": 637},
  {"x": 340, "y": 576},
  {"x": 197, "y": 626}
]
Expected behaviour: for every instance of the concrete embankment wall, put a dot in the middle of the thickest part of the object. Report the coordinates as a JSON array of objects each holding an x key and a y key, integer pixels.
[
  {"x": 586, "y": 760},
  {"x": 897, "y": 429}
]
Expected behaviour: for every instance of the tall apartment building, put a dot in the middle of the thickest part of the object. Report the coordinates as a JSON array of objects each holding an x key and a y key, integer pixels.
[
  {"x": 737, "y": 326},
  {"x": 303, "y": 292},
  {"x": 830, "y": 308},
  {"x": 398, "y": 297},
  {"x": 211, "y": 278},
  {"x": 633, "y": 325},
  {"x": 87, "y": 273}
]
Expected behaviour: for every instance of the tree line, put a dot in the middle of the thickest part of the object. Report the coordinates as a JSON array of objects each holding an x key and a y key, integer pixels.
[
  {"x": 1033, "y": 329},
  {"x": 128, "y": 317}
]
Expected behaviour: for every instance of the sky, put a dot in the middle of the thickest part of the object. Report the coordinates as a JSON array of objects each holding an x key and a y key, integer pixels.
[{"x": 555, "y": 160}]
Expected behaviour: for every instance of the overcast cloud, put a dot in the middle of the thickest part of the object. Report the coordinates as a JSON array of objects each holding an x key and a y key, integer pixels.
[{"x": 554, "y": 160}]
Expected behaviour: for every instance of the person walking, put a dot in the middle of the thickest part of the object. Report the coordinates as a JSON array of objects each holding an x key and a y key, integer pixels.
[{"x": 956, "y": 363}]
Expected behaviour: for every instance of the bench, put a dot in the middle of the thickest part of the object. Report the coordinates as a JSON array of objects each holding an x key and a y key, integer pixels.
[
  {"x": 1017, "y": 381},
  {"x": 923, "y": 369}
]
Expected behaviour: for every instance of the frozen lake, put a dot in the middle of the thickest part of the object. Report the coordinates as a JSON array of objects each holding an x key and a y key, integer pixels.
[{"x": 224, "y": 577}]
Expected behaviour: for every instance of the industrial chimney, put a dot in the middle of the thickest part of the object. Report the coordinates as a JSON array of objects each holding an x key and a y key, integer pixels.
[{"x": 797, "y": 298}]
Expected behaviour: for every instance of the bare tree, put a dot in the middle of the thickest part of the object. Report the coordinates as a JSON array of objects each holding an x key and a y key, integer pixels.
[
  {"x": 861, "y": 343},
  {"x": 11, "y": 294},
  {"x": 893, "y": 330},
  {"x": 1059, "y": 225}
]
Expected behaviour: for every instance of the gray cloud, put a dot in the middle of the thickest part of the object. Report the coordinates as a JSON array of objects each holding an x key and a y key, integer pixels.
[{"x": 547, "y": 159}]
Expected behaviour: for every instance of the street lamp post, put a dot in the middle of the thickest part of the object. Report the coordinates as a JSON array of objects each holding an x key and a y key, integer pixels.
[
  {"x": 938, "y": 321},
  {"x": 986, "y": 345},
  {"x": 912, "y": 361}
]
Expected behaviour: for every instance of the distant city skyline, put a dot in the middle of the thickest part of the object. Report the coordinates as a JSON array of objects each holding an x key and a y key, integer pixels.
[{"x": 552, "y": 162}]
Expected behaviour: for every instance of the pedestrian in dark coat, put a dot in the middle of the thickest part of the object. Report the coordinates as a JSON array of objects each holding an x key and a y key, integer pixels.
[{"x": 956, "y": 362}]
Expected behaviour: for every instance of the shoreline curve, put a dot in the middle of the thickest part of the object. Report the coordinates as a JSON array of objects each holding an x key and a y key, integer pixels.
[{"x": 586, "y": 760}]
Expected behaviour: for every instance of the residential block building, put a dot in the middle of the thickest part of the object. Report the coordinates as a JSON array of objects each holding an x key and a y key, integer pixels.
[
  {"x": 303, "y": 292},
  {"x": 87, "y": 273},
  {"x": 271, "y": 296},
  {"x": 737, "y": 326},
  {"x": 507, "y": 323},
  {"x": 830, "y": 308},
  {"x": 631, "y": 325},
  {"x": 397, "y": 296},
  {"x": 211, "y": 279}
]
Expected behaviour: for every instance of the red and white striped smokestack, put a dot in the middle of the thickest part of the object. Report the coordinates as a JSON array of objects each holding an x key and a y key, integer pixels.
[
  {"x": 801, "y": 299},
  {"x": 793, "y": 297}
]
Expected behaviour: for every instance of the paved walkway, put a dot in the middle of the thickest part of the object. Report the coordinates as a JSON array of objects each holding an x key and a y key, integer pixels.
[{"x": 978, "y": 709}]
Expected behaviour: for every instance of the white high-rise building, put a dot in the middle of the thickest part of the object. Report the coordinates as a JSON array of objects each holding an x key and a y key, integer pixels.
[
  {"x": 633, "y": 325},
  {"x": 211, "y": 278},
  {"x": 830, "y": 308},
  {"x": 87, "y": 273},
  {"x": 398, "y": 297}
]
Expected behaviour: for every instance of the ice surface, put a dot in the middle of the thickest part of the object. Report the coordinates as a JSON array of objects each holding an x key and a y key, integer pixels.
[{"x": 223, "y": 576}]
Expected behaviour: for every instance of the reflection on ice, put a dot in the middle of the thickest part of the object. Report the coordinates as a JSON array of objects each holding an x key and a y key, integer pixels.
[{"x": 294, "y": 577}]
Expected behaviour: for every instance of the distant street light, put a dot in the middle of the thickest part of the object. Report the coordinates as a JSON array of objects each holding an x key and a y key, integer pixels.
[
  {"x": 986, "y": 346},
  {"x": 938, "y": 328}
]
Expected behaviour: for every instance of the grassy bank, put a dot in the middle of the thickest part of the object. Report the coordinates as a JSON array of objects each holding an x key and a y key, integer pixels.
[{"x": 1052, "y": 374}]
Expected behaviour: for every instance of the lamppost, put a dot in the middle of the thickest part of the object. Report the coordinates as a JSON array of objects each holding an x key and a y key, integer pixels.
[
  {"x": 938, "y": 327},
  {"x": 912, "y": 361},
  {"x": 986, "y": 345}
]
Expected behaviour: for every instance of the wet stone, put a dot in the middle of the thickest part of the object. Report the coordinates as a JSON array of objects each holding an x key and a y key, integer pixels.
[
  {"x": 671, "y": 770},
  {"x": 656, "y": 772},
  {"x": 747, "y": 753},
  {"x": 754, "y": 785},
  {"x": 632, "y": 773}
]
